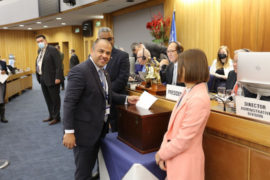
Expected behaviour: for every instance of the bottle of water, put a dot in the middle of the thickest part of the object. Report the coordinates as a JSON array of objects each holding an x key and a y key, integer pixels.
[{"x": 240, "y": 89}]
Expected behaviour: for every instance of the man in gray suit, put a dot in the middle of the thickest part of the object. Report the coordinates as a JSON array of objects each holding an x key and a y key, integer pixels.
[
  {"x": 86, "y": 107},
  {"x": 49, "y": 74}
]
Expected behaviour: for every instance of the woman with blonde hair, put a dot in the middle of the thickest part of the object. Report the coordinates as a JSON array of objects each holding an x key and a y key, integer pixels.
[
  {"x": 220, "y": 68},
  {"x": 181, "y": 153}
]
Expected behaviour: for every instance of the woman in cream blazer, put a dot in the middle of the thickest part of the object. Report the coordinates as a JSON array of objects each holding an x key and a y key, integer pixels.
[{"x": 181, "y": 153}]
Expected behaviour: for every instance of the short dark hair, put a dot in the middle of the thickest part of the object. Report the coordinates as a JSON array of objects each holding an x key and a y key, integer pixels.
[
  {"x": 72, "y": 50},
  {"x": 179, "y": 47},
  {"x": 133, "y": 46},
  {"x": 97, "y": 40},
  {"x": 194, "y": 61},
  {"x": 40, "y": 36}
]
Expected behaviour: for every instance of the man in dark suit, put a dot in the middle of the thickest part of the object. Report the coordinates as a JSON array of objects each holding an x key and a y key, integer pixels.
[
  {"x": 86, "y": 108},
  {"x": 74, "y": 60},
  {"x": 49, "y": 74},
  {"x": 3, "y": 68},
  {"x": 169, "y": 76},
  {"x": 118, "y": 69}
]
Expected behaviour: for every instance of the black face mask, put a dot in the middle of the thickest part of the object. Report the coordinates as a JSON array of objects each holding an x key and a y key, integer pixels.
[{"x": 222, "y": 56}]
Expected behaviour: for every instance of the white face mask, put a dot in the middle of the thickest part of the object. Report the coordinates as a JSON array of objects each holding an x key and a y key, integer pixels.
[
  {"x": 41, "y": 45},
  {"x": 223, "y": 60}
]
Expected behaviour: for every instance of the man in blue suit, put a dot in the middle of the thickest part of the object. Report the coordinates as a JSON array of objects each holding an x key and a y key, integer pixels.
[
  {"x": 86, "y": 108},
  {"x": 118, "y": 69}
]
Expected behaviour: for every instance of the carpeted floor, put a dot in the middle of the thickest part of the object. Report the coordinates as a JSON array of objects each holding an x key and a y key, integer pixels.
[{"x": 34, "y": 148}]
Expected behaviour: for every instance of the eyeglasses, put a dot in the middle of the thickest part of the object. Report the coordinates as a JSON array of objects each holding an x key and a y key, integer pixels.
[
  {"x": 170, "y": 51},
  {"x": 108, "y": 39}
]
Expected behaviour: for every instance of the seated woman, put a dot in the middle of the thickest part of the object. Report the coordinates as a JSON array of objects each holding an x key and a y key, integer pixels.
[
  {"x": 232, "y": 79},
  {"x": 221, "y": 68}
]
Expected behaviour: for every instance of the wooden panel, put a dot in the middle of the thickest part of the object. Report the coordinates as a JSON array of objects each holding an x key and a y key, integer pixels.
[
  {"x": 239, "y": 23},
  {"x": 225, "y": 160},
  {"x": 259, "y": 166},
  {"x": 241, "y": 128},
  {"x": 197, "y": 24},
  {"x": 263, "y": 25},
  {"x": 21, "y": 44}
]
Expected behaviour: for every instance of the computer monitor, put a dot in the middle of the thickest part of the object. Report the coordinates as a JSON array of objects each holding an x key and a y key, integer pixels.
[{"x": 253, "y": 71}]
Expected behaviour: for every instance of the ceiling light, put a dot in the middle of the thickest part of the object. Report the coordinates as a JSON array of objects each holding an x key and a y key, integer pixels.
[
  {"x": 39, "y": 22},
  {"x": 58, "y": 18},
  {"x": 45, "y": 26},
  {"x": 21, "y": 25},
  {"x": 29, "y": 28},
  {"x": 5, "y": 27},
  {"x": 63, "y": 23}
]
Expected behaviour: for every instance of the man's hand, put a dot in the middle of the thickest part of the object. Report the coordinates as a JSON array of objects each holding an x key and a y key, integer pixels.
[
  {"x": 133, "y": 99},
  {"x": 3, "y": 72},
  {"x": 57, "y": 81},
  {"x": 69, "y": 140}
]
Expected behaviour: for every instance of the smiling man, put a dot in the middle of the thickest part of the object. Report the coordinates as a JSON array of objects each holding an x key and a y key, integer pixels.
[{"x": 87, "y": 104}]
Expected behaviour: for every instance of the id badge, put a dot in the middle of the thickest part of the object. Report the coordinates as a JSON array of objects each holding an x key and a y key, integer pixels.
[{"x": 107, "y": 110}]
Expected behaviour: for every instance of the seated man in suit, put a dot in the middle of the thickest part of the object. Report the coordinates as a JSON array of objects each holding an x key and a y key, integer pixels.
[
  {"x": 169, "y": 76},
  {"x": 142, "y": 56},
  {"x": 231, "y": 82}
]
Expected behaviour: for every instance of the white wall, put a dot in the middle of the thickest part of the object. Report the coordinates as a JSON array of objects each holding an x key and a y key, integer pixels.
[
  {"x": 12, "y": 11},
  {"x": 134, "y": 22}
]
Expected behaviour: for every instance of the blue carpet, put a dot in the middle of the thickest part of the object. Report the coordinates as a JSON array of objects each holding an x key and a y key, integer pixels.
[{"x": 33, "y": 148}]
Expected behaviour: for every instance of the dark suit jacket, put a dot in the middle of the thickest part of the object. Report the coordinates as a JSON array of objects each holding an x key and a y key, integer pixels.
[
  {"x": 118, "y": 69},
  {"x": 156, "y": 50},
  {"x": 3, "y": 64},
  {"x": 169, "y": 75},
  {"x": 51, "y": 66},
  {"x": 84, "y": 103},
  {"x": 74, "y": 60}
]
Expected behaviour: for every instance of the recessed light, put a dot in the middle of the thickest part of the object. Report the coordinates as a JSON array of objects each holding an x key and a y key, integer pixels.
[
  {"x": 21, "y": 25},
  {"x": 63, "y": 23},
  {"x": 29, "y": 28},
  {"x": 39, "y": 22},
  {"x": 5, "y": 27},
  {"x": 45, "y": 26},
  {"x": 58, "y": 18}
]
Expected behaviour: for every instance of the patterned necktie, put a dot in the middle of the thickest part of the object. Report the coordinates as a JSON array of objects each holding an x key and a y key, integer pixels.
[
  {"x": 40, "y": 56},
  {"x": 102, "y": 79}
]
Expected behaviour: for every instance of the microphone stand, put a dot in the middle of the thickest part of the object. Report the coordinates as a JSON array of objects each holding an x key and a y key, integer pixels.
[{"x": 224, "y": 102}]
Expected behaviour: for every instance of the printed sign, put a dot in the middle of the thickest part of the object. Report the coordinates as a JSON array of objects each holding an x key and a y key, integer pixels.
[
  {"x": 173, "y": 92},
  {"x": 253, "y": 108}
]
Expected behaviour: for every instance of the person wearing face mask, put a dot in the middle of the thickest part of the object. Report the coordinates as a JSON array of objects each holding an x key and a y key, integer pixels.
[
  {"x": 220, "y": 68},
  {"x": 49, "y": 74}
]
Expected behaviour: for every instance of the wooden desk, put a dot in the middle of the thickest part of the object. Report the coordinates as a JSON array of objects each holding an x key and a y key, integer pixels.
[
  {"x": 236, "y": 148},
  {"x": 16, "y": 83}
]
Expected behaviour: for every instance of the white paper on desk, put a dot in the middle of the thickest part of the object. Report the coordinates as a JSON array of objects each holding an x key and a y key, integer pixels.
[
  {"x": 3, "y": 77},
  {"x": 146, "y": 100}
]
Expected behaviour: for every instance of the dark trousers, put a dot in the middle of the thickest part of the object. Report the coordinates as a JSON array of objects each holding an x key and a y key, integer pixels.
[
  {"x": 85, "y": 158},
  {"x": 52, "y": 98},
  {"x": 113, "y": 118}
]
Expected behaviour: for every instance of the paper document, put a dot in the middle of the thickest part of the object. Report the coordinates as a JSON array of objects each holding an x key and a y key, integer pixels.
[
  {"x": 3, "y": 78},
  {"x": 146, "y": 100}
]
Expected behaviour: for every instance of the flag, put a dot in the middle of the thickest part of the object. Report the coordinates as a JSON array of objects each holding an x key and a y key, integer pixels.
[{"x": 173, "y": 29}]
